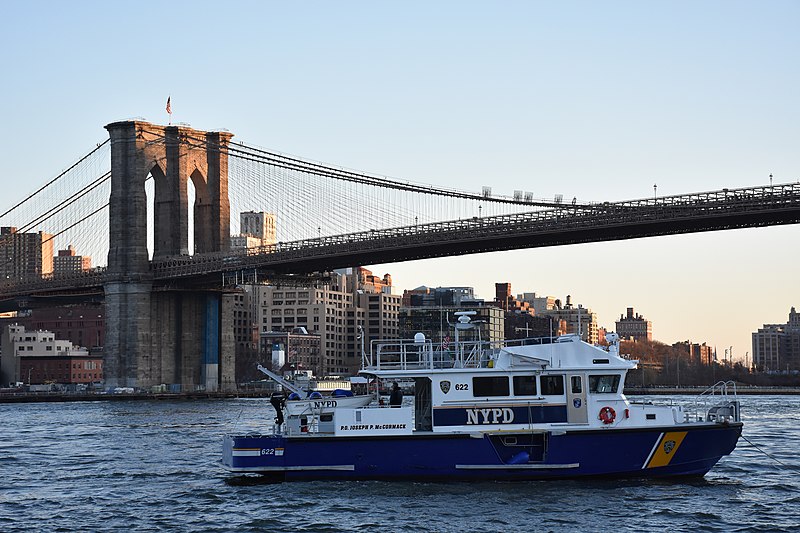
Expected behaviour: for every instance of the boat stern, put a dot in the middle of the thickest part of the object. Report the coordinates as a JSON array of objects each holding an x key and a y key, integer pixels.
[{"x": 253, "y": 453}]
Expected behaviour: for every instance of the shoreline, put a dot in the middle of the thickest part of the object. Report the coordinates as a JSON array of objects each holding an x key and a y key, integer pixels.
[
  {"x": 60, "y": 397},
  {"x": 695, "y": 391}
]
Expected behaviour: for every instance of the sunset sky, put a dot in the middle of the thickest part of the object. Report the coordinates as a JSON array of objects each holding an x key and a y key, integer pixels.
[{"x": 595, "y": 100}]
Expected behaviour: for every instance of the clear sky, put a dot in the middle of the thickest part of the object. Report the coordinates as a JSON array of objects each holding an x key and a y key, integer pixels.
[{"x": 598, "y": 100}]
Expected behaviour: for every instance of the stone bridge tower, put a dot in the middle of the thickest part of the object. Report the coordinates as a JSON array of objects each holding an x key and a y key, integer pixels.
[{"x": 159, "y": 336}]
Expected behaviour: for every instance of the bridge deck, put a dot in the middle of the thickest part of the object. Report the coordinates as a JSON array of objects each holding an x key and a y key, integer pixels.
[{"x": 569, "y": 224}]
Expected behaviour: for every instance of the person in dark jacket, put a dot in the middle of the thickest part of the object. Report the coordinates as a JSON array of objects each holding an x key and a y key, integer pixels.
[
  {"x": 396, "y": 398},
  {"x": 278, "y": 401}
]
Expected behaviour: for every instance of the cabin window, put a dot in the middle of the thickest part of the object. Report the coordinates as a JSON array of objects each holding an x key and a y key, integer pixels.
[
  {"x": 552, "y": 385},
  {"x": 577, "y": 386},
  {"x": 607, "y": 384},
  {"x": 490, "y": 386},
  {"x": 524, "y": 385}
]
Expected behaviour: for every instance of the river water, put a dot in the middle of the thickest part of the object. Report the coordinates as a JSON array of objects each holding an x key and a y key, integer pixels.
[{"x": 154, "y": 465}]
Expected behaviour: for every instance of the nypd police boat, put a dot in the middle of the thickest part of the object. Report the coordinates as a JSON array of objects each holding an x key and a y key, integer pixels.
[{"x": 525, "y": 409}]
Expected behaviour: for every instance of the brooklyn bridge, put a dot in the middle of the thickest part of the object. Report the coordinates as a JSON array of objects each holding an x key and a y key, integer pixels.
[{"x": 161, "y": 203}]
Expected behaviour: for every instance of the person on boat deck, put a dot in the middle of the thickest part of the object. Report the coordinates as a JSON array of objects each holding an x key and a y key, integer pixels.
[
  {"x": 278, "y": 401},
  {"x": 396, "y": 398}
]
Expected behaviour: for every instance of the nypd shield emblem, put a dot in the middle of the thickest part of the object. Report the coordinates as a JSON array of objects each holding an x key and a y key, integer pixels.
[
  {"x": 445, "y": 386},
  {"x": 669, "y": 446}
]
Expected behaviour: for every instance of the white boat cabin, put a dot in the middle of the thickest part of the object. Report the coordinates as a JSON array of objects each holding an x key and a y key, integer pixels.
[
  {"x": 519, "y": 385},
  {"x": 472, "y": 386}
]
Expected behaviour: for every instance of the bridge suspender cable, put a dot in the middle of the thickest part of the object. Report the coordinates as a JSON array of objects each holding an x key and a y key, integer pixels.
[
  {"x": 257, "y": 155},
  {"x": 330, "y": 172}
]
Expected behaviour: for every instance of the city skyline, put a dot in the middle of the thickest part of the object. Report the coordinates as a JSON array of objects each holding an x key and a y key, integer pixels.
[{"x": 594, "y": 102}]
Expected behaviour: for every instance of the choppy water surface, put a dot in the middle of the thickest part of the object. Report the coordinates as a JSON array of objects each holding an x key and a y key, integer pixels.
[{"x": 155, "y": 466}]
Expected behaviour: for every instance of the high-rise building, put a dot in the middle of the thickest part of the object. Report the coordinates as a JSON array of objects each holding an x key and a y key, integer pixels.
[
  {"x": 297, "y": 349},
  {"x": 435, "y": 322},
  {"x": 776, "y": 347},
  {"x": 794, "y": 319},
  {"x": 527, "y": 326},
  {"x": 245, "y": 335},
  {"x": 579, "y": 320},
  {"x": 374, "y": 311},
  {"x": 506, "y": 301},
  {"x": 502, "y": 295},
  {"x": 769, "y": 348},
  {"x": 260, "y": 225},
  {"x": 540, "y": 304},
  {"x": 440, "y": 296},
  {"x": 67, "y": 262},
  {"x": 25, "y": 255},
  {"x": 634, "y": 327},
  {"x": 360, "y": 278},
  {"x": 431, "y": 311},
  {"x": 354, "y": 306},
  {"x": 521, "y": 318},
  {"x": 256, "y": 229}
]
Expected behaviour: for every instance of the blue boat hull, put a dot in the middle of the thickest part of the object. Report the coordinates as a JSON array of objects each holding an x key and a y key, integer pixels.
[{"x": 651, "y": 452}]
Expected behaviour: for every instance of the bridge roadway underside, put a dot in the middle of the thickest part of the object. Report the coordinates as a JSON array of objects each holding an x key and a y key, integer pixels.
[{"x": 55, "y": 299}]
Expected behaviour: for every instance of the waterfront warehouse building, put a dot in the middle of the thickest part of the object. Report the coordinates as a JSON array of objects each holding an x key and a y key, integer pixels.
[{"x": 37, "y": 357}]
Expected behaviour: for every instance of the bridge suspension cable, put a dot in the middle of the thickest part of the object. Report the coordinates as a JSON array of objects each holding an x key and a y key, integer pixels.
[
  {"x": 70, "y": 208},
  {"x": 248, "y": 152},
  {"x": 64, "y": 173},
  {"x": 311, "y": 199},
  {"x": 58, "y": 208},
  {"x": 66, "y": 203}
]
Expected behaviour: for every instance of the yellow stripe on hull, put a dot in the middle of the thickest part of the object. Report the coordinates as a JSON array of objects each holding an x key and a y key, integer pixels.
[{"x": 666, "y": 449}]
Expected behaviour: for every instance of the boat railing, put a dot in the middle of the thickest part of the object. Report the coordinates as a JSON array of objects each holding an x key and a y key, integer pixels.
[
  {"x": 407, "y": 354},
  {"x": 401, "y": 354},
  {"x": 718, "y": 403},
  {"x": 528, "y": 341},
  {"x": 471, "y": 354}
]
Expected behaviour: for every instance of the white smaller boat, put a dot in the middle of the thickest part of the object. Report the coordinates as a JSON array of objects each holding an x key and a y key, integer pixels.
[
  {"x": 325, "y": 404},
  {"x": 300, "y": 402}
]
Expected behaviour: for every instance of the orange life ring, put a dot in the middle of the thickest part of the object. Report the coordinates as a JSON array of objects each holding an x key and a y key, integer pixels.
[{"x": 607, "y": 415}]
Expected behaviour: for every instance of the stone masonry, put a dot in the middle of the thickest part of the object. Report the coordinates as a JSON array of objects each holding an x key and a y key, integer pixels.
[{"x": 165, "y": 337}]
